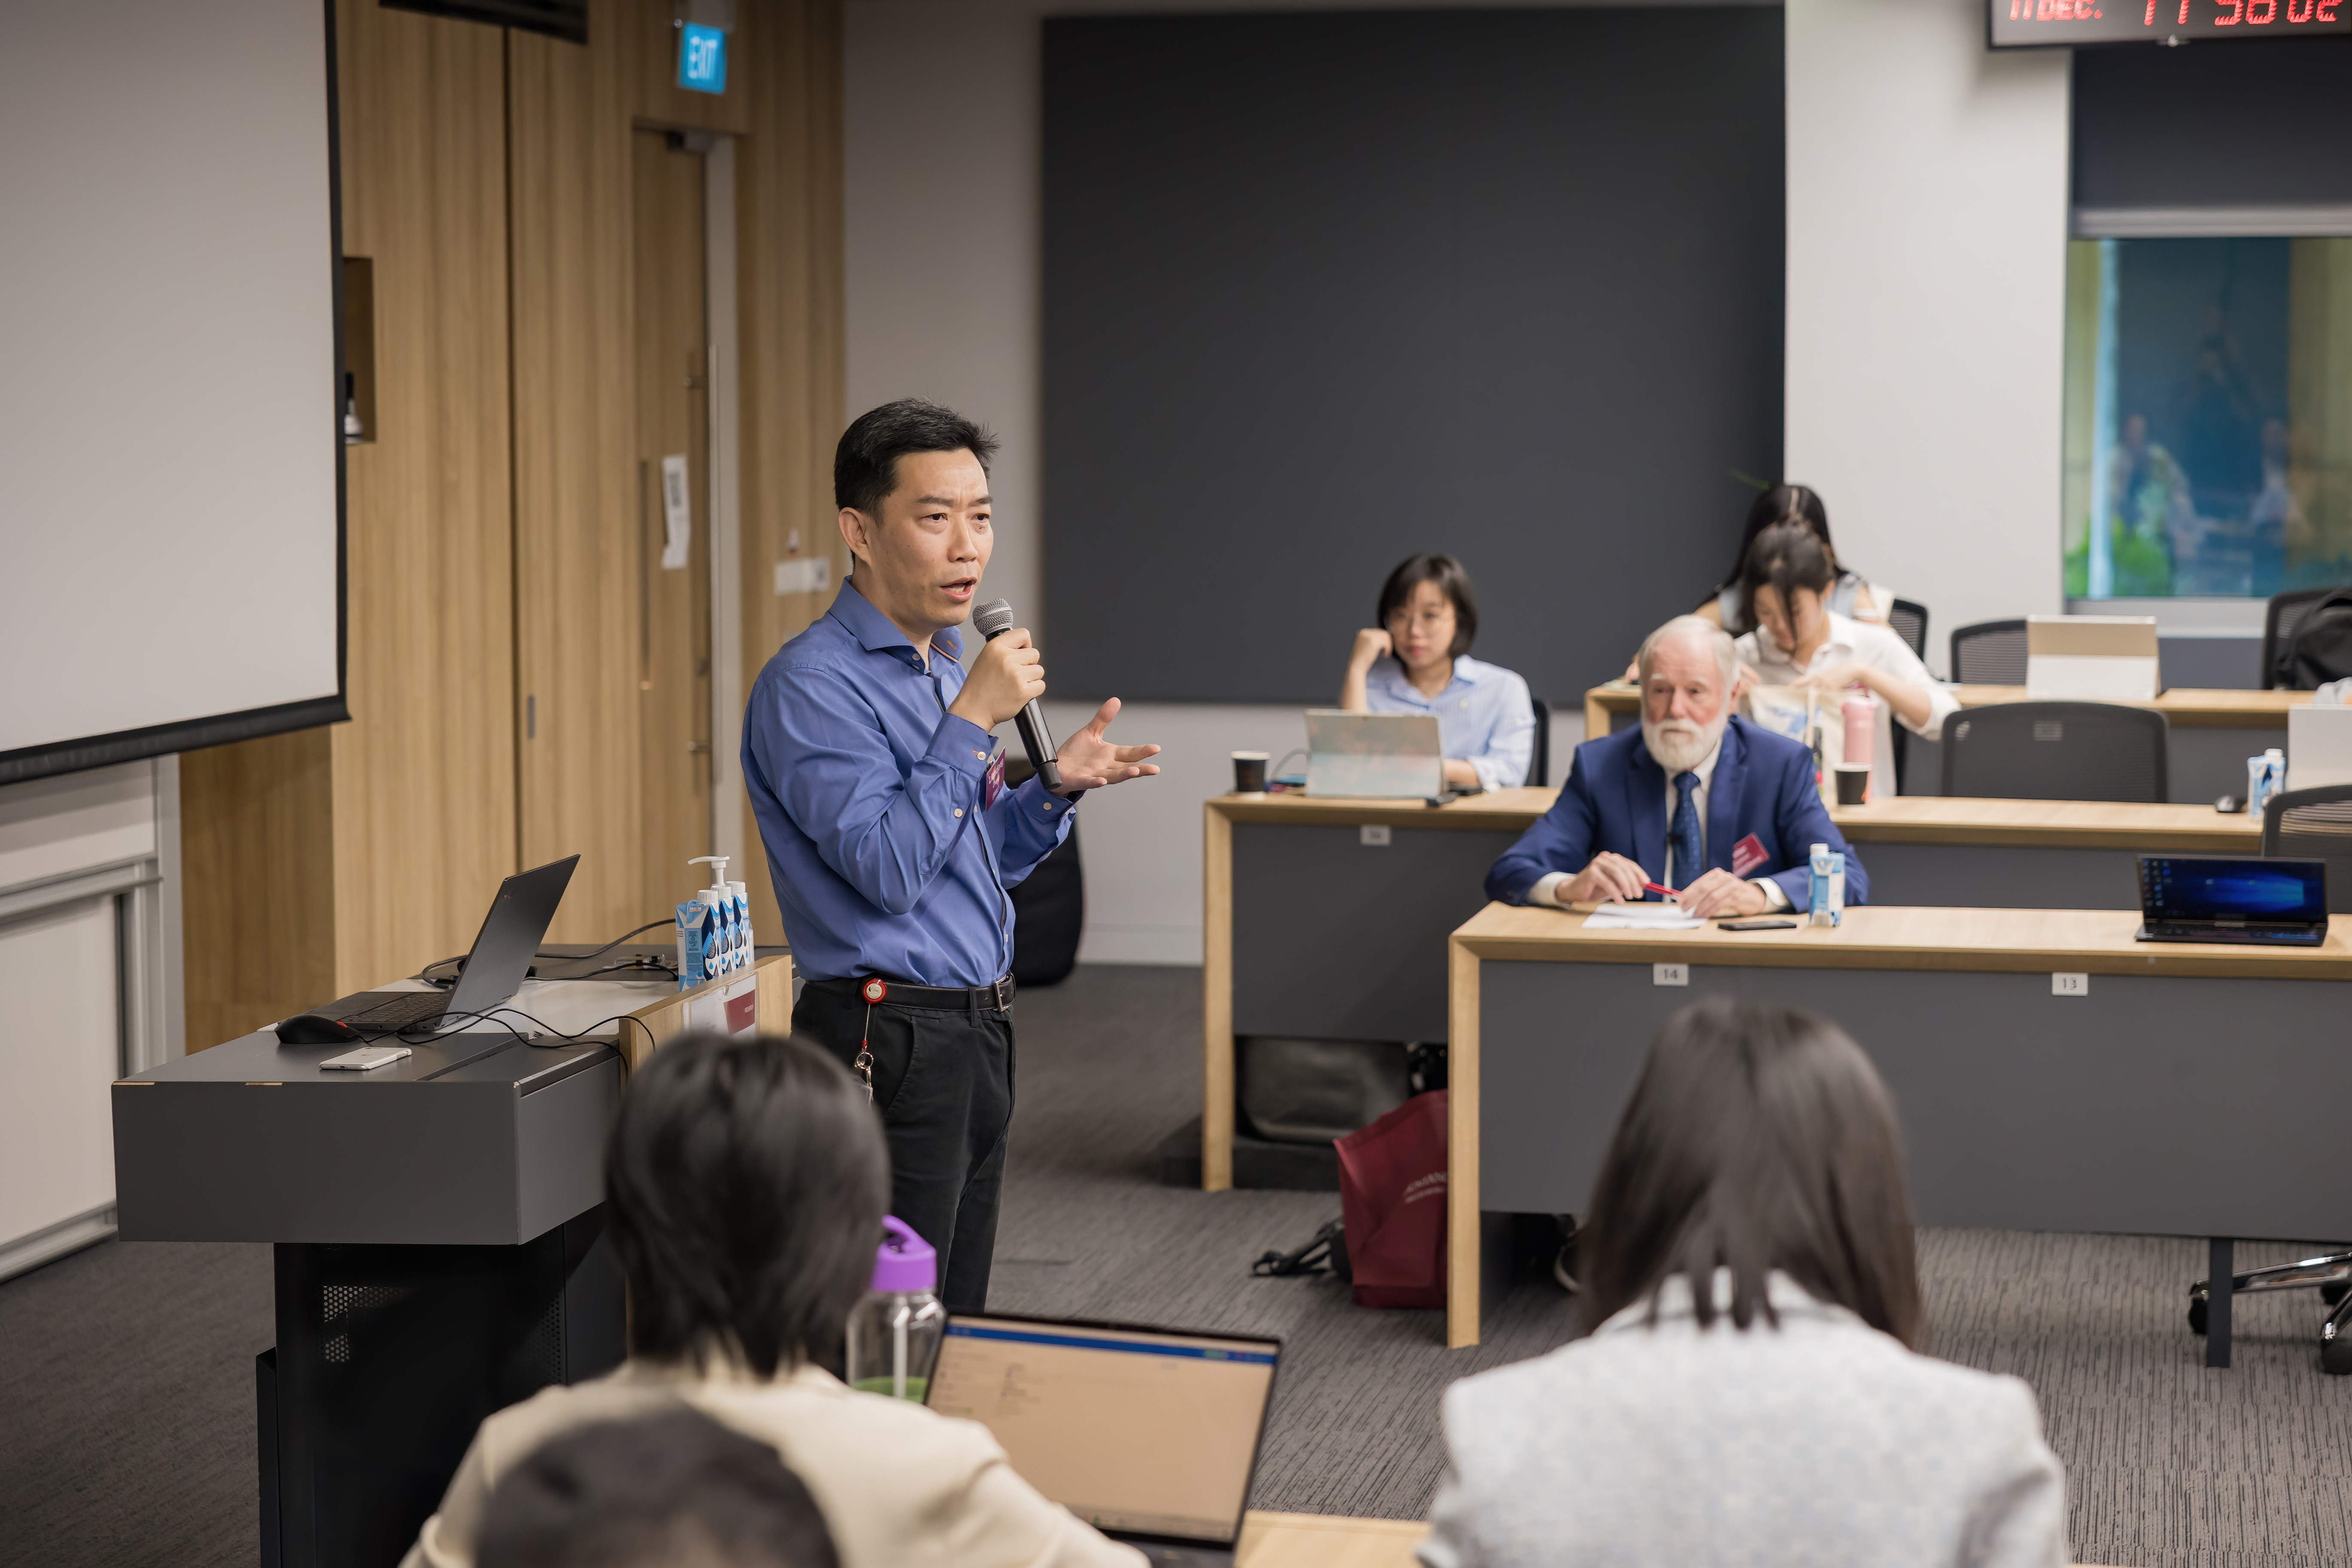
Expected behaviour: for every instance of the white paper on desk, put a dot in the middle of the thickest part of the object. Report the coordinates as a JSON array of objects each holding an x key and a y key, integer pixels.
[
  {"x": 677, "y": 513},
  {"x": 1645, "y": 917}
]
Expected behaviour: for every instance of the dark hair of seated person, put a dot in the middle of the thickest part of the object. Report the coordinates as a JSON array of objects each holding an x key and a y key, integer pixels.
[
  {"x": 1451, "y": 580},
  {"x": 745, "y": 1182},
  {"x": 1785, "y": 557},
  {"x": 866, "y": 459},
  {"x": 675, "y": 1489},
  {"x": 1778, "y": 503},
  {"x": 1759, "y": 1137}
]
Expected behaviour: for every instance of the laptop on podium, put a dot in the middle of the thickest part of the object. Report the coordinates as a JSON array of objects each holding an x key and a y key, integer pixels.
[
  {"x": 1149, "y": 1436},
  {"x": 492, "y": 972}
]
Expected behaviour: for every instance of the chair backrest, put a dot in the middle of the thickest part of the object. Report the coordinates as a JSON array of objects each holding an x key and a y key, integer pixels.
[
  {"x": 2281, "y": 618},
  {"x": 2056, "y": 750},
  {"x": 2314, "y": 824},
  {"x": 1539, "y": 772},
  {"x": 1909, "y": 622},
  {"x": 1990, "y": 653}
]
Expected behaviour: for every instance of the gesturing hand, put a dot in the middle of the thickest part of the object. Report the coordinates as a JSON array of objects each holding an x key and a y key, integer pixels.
[
  {"x": 1006, "y": 675},
  {"x": 1089, "y": 761}
]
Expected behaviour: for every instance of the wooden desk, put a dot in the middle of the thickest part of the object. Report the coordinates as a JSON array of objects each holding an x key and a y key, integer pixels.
[
  {"x": 2213, "y": 732},
  {"x": 1308, "y": 931},
  {"x": 2189, "y": 1090},
  {"x": 1326, "y": 1541}
]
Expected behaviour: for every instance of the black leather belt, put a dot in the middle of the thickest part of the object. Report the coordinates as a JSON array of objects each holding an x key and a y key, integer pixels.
[{"x": 880, "y": 990}]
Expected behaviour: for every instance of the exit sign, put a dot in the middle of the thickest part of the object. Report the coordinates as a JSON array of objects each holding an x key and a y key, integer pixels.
[{"x": 702, "y": 58}]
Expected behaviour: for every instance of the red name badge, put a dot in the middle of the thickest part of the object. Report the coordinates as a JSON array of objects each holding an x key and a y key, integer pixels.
[
  {"x": 991, "y": 785},
  {"x": 1746, "y": 855}
]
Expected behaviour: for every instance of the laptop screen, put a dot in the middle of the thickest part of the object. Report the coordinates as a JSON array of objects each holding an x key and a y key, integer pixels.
[
  {"x": 2213, "y": 887},
  {"x": 1147, "y": 1432}
]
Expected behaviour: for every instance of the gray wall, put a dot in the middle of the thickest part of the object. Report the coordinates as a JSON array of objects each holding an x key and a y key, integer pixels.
[{"x": 1322, "y": 290}]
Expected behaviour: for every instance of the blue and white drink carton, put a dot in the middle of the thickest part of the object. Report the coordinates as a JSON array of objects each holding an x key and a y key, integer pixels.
[{"x": 1828, "y": 901}]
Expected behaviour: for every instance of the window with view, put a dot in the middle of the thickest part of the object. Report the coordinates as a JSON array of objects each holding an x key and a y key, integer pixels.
[{"x": 2209, "y": 418}]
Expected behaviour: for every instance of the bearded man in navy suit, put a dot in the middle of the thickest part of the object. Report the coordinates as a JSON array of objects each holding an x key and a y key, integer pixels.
[{"x": 1694, "y": 799}]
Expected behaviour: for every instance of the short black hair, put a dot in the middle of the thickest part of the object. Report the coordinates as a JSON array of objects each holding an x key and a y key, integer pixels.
[
  {"x": 1759, "y": 1137},
  {"x": 745, "y": 1182},
  {"x": 1786, "y": 557},
  {"x": 671, "y": 1488},
  {"x": 866, "y": 462},
  {"x": 1782, "y": 503},
  {"x": 1451, "y": 580}
]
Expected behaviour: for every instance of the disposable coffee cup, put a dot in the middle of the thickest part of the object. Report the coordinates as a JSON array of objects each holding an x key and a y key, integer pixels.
[
  {"x": 1249, "y": 772},
  {"x": 1853, "y": 783}
]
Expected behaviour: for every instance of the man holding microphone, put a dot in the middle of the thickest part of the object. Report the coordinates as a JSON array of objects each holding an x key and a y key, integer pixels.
[{"x": 892, "y": 841}]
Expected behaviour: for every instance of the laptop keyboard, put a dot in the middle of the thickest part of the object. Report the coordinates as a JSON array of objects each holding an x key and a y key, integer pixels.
[
  {"x": 406, "y": 1010},
  {"x": 2171, "y": 931}
]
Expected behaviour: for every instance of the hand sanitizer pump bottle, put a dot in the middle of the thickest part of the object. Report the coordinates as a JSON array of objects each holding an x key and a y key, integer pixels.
[{"x": 727, "y": 958}]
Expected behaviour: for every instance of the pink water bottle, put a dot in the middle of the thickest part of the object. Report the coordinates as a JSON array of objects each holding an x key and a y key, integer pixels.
[{"x": 1861, "y": 728}]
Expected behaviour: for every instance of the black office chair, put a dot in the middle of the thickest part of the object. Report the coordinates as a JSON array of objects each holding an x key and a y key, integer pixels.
[
  {"x": 2281, "y": 618},
  {"x": 1540, "y": 773},
  {"x": 1908, "y": 620},
  {"x": 2056, "y": 750},
  {"x": 2305, "y": 825},
  {"x": 1990, "y": 653}
]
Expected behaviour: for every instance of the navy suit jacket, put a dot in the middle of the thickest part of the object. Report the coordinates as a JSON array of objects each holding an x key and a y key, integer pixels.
[{"x": 1615, "y": 800}]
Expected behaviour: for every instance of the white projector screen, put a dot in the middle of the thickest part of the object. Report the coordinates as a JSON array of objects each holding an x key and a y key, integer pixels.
[{"x": 171, "y": 460}]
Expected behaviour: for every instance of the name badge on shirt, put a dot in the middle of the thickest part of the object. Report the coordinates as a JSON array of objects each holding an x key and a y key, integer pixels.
[
  {"x": 1746, "y": 855},
  {"x": 991, "y": 784}
]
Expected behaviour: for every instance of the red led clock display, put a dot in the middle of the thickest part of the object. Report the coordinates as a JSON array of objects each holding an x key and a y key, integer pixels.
[{"x": 2025, "y": 23}]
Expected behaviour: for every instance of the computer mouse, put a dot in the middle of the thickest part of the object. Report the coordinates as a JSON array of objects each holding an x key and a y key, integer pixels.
[
  {"x": 2229, "y": 804},
  {"x": 316, "y": 1029}
]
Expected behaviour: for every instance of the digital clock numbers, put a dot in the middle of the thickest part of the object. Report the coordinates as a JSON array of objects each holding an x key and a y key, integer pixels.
[{"x": 2017, "y": 22}]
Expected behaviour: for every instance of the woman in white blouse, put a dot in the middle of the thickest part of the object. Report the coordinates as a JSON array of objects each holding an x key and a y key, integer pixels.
[{"x": 1800, "y": 641}]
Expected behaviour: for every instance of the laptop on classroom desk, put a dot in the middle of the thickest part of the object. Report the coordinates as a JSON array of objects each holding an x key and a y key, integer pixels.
[
  {"x": 2215, "y": 897},
  {"x": 1374, "y": 756},
  {"x": 1149, "y": 1436}
]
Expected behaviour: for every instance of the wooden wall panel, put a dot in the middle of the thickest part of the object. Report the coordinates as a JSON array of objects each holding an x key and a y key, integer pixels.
[
  {"x": 790, "y": 272},
  {"x": 256, "y": 883},
  {"x": 576, "y": 501},
  {"x": 423, "y": 775}
]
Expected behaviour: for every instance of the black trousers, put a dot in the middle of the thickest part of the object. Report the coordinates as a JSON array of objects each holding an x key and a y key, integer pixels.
[{"x": 943, "y": 1087}]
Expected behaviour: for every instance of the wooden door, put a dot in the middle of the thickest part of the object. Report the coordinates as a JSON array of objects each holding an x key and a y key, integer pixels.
[{"x": 673, "y": 487}]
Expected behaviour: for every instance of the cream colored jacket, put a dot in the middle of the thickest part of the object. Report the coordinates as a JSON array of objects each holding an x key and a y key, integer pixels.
[
  {"x": 901, "y": 1486},
  {"x": 1823, "y": 1442}
]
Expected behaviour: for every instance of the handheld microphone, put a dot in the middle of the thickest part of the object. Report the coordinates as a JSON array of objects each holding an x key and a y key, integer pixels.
[{"x": 993, "y": 619}]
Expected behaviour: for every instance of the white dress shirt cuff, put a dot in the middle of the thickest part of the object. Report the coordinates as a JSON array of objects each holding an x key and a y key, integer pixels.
[
  {"x": 1776, "y": 896},
  {"x": 1547, "y": 889}
]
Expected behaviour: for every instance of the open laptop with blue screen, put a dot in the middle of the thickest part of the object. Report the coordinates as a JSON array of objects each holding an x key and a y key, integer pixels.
[
  {"x": 2215, "y": 897},
  {"x": 1150, "y": 1436}
]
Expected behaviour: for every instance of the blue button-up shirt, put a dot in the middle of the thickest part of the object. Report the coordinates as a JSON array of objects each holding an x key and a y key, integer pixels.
[
  {"x": 868, "y": 791},
  {"x": 1484, "y": 716}
]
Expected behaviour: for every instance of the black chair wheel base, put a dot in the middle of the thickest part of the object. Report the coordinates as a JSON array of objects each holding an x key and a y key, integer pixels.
[
  {"x": 2197, "y": 1312},
  {"x": 2335, "y": 1355}
]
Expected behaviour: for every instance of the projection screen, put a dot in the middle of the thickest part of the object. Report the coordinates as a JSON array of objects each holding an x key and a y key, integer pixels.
[{"x": 171, "y": 460}]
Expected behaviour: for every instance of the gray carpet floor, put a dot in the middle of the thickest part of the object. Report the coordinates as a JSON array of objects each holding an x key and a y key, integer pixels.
[{"x": 126, "y": 1372}]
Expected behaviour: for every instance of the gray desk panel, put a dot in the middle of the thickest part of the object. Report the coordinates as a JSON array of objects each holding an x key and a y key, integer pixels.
[
  {"x": 1336, "y": 939},
  {"x": 2151, "y": 1106},
  {"x": 479, "y": 1154},
  {"x": 2199, "y": 764},
  {"x": 2000, "y": 877}
]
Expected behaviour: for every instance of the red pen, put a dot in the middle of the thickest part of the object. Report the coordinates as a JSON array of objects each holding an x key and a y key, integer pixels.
[{"x": 1661, "y": 892}]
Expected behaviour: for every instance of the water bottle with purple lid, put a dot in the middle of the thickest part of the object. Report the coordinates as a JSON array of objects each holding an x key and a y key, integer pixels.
[{"x": 894, "y": 1333}]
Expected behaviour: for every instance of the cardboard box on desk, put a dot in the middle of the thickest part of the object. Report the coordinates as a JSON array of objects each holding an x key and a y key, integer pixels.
[{"x": 2090, "y": 658}]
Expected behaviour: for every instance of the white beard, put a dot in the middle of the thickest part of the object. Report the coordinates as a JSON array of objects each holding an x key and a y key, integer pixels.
[{"x": 1678, "y": 744}]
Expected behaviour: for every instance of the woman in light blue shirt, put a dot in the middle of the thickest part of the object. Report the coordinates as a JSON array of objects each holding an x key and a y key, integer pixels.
[{"x": 1417, "y": 661}]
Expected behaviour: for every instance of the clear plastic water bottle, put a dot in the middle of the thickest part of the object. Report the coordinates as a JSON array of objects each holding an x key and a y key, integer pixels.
[{"x": 894, "y": 1332}]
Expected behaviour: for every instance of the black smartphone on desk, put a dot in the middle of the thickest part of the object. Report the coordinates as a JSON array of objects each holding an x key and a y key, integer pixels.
[{"x": 1759, "y": 925}]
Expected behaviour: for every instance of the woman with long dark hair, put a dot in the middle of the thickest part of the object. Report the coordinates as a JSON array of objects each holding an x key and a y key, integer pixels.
[{"x": 1750, "y": 1392}]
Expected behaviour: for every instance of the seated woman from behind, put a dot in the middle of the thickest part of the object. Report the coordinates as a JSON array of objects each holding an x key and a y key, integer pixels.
[
  {"x": 1800, "y": 641},
  {"x": 1417, "y": 661},
  {"x": 744, "y": 1183},
  {"x": 1750, "y": 1393}
]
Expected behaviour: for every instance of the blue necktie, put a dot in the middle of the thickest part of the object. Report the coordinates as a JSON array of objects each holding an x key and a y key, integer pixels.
[{"x": 1690, "y": 851}]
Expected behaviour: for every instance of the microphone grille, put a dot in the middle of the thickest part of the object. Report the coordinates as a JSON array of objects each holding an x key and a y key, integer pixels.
[{"x": 994, "y": 617}]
